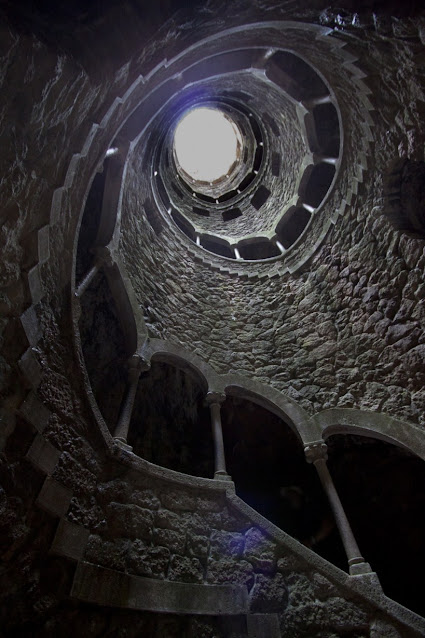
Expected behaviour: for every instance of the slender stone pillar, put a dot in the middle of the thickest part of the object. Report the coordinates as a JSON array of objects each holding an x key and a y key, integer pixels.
[
  {"x": 214, "y": 400},
  {"x": 136, "y": 366},
  {"x": 87, "y": 279},
  {"x": 105, "y": 257},
  {"x": 316, "y": 453}
]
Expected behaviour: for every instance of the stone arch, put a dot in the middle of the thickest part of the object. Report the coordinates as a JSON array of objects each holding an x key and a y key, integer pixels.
[
  {"x": 234, "y": 385},
  {"x": 271, "y": 399},
  {"x": 371, "y": 424},
  {"x": 167, "y": 352}
]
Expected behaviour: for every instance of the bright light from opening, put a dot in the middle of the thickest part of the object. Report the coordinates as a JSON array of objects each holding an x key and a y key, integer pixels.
[{"x": 206, "y": 144}]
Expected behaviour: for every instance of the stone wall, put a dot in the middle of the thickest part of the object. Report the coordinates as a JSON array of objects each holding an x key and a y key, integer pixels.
[
  {"x": 193, "y": 537},
  {"x": 48, "y": 428},
  {"x": 345, "y": 331}
]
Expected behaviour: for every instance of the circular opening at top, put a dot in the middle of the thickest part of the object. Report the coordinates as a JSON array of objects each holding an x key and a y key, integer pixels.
[{"x": 206, "y": 144}]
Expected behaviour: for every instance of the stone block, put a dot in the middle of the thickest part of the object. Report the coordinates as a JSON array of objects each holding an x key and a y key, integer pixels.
[
  {"x": 148, "y": 561},
  {"x": 89, "y": 139},
  {"x": 72, "y": 170},
  {"x": 112, "y": 554},
  {"x": 54, "y": 497},
  {"x": 188, "y": 570},
  {"x": 130, "y": 521},
  {"x": 43, "y": 244},
  {"x": 175, "y": 541},
  {"x": 35, "y": 284},
  {"x": 30, "y": 367},
  {"x": 33, "y": 411},
  {"x": 269, "y": 594},
  {"x": 70, "y": 540},
  {"x": 57, "y": 205},
  {"x": 414, "y": 360},
  {"x": 201, "y": 524},
  {"x": 197, "y": 545},
  {"x": 31, "y": 326},
  {"x": 168, "y": 520},
  {"x": 233, "y": 522},
  {"x": 209, "y": 504},
  {"x": 259, "y": 547},
  {"x": 229, "y": 570},
  {"x": 323, "y": 588},
  {"x": 145, "y": 498},
  {"x": 74, "y": 475},
  {"x": 43, "y": 455},
  {"x": 226, "y": 544},
  {"x": 116, "y": 490},
  {"x": 300, "y": 589}
]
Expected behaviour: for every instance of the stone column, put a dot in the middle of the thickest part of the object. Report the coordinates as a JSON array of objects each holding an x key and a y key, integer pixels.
[
  {"x": 316, "y": 453},
  {"x": 136, "y": 366},
  {"x": 214, "y": 400},
  {"x": 87, "y": 279},
  {"x": 105, "y": 257}
]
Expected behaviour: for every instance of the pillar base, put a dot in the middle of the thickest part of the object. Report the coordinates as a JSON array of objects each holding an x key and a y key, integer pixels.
[
  {"x": 122, "y": 443},
  {"x": 357, "y": 569},
  {"x": 368, "y": 582},
  {"x": 221, "y": 475}
]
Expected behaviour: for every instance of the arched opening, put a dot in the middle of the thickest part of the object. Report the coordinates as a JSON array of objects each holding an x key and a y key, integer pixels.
[
  {"x": 170, "y": 425},
  {"x": 218, "y": 247},
  {"x": 295, "y": 76},
  {"x": 267, "y": 463},
  {"x": 90, "y": 224},
  {"x": 104, "y": 347},
  {"x": 260, "y": 249},
  {"x": 382, "y": 489},
  {"x": 318, "y": 184},
  {"x": 327, "y": 128},
  {"x": 292, "y": 225}
]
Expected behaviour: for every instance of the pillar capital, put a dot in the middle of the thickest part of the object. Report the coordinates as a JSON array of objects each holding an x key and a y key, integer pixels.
[
  {"x": 316, "y": 451},
  {"x": 215, "y": 397}
]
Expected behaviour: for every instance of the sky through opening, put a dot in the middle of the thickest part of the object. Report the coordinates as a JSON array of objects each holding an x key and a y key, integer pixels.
[{"x": 206, "y": 144}]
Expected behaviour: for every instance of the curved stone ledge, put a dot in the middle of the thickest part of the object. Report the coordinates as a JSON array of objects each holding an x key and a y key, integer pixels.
[
  {"x": 43, "y": 455},
  {"x": 125, "y": 456},
  {"x": 107, "y": 587}
]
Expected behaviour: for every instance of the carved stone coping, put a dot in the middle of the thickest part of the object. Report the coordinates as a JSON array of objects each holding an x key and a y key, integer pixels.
[{"x": 111, "y": 588}]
